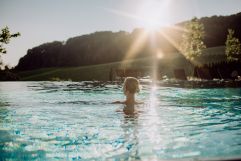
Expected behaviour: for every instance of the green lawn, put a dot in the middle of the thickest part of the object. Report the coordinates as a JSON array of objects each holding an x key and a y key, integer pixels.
[{"x": 92, "y": 72}]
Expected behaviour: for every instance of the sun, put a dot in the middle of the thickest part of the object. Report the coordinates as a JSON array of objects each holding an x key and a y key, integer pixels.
[
  {"x": 151, "y": 15},
  {"x": 151, "y": 25},
  {"x": 148, "y": 14},
  {"x": 154, "y": 14}
]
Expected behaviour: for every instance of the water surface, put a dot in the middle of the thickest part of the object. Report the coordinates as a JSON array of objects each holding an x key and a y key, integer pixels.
[{"x": 76, "y": 121}]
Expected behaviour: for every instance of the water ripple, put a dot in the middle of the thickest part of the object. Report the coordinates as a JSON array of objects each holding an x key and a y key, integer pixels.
[{"x": 76, "y": 121}]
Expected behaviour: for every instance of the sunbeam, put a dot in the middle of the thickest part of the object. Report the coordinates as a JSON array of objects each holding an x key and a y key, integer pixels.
[
  {"x": 150, "y": 15},
  {"x": 137, "y": 45},
  {"x": 176, "y": 43},
  {"x": 123, "y": 13},
  {"x": 153, "y": 16}
]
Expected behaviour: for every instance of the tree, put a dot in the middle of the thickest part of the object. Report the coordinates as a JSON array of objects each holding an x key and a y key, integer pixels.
[
  {"x": 233, "y": 47},
  {"x": 5, "y": 37},
  {"x": 192, "y": 39}
]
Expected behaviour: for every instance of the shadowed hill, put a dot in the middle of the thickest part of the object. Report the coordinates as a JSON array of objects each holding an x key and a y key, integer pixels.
[
  {"x": 102, "y": 72},
  {"x": 106, "y": 47}
]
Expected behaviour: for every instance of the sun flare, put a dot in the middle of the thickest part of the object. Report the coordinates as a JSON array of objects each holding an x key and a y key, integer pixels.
[{"x": 154, "y": 14}]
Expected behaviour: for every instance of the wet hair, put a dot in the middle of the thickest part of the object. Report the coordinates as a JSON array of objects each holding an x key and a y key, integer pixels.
[{"x": 131, "y": 85}]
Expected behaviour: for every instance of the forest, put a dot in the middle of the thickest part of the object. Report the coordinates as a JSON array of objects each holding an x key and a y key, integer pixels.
[{"x": 106, "y": 46}]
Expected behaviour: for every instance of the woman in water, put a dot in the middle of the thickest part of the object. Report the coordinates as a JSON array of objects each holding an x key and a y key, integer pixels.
[{"x": 131, "y": 87}]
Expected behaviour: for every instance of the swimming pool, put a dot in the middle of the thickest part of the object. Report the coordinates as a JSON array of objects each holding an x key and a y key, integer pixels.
[{"x": 76, "y": 121}]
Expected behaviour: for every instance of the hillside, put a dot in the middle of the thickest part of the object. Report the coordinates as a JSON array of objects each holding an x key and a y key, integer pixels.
[
  {"x": 102, "y": 71},
  {"x": 106, "y": 47}
]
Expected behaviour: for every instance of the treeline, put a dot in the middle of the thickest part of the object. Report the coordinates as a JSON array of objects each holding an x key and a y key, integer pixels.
[
  {"x": 95, "y": 48},
  {"x": 104, "y": 47}
]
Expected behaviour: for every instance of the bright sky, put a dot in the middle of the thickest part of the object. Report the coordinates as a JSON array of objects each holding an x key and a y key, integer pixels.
[{"x": 41, "y": 21}]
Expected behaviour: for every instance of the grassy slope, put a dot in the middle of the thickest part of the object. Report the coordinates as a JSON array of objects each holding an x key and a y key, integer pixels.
[
  {"x": 96, "y": 72},
  {"x": 101, "y": 72},
  {"x": 92, "y": 72}
]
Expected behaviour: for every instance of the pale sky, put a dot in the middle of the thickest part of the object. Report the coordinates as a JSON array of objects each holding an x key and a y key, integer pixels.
[{"x": 41, "y": 21}]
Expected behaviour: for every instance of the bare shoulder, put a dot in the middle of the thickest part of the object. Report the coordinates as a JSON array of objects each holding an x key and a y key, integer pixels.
[
  {"x": 139, "y": 103},
  {"x": 118, "y": 102}
]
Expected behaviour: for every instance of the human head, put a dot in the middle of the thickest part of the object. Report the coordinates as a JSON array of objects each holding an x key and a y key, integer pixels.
[{"x": 131, "y": 85}]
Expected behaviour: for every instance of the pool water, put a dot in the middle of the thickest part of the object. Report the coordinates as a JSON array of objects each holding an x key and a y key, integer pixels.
[{"x": 76, "y": 121}]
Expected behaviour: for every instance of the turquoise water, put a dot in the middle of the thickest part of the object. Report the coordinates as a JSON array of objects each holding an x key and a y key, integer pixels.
[{"x": 76, "y": 121}]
